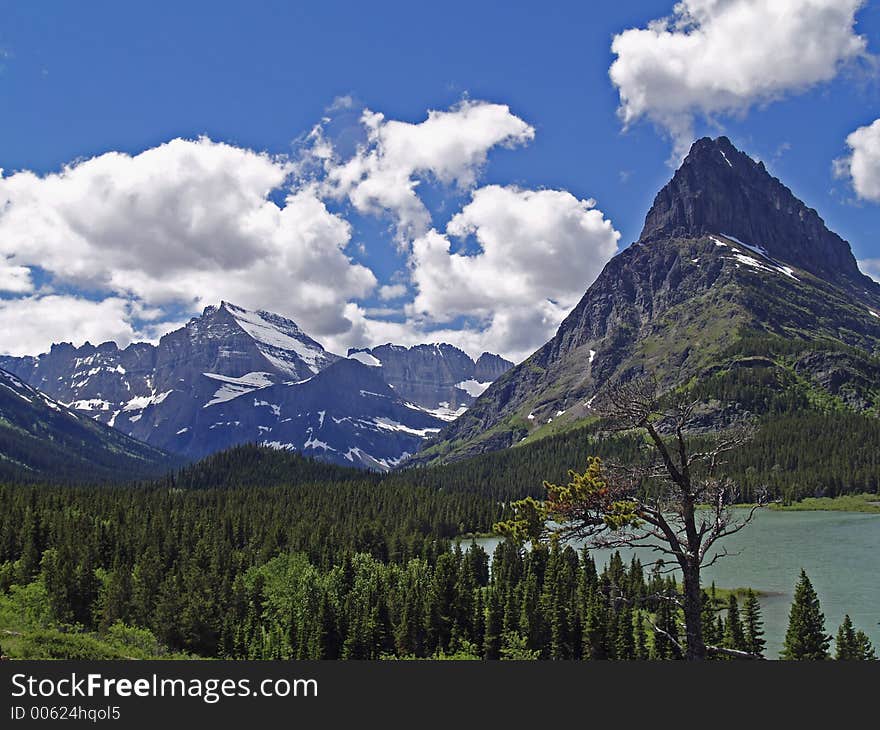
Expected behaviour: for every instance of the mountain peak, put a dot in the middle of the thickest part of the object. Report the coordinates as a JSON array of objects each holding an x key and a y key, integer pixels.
[{"x": 720, "y": 190}]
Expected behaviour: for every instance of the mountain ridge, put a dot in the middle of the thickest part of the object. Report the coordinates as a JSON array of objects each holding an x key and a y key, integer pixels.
[
  {"x": 675, "y": 300},
  {"x": 227, "y": 377},
  {"x": 438, "y": 377}
]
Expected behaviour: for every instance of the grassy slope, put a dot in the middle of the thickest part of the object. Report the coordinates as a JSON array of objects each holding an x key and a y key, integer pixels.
[{"x": 869, "y": 503}]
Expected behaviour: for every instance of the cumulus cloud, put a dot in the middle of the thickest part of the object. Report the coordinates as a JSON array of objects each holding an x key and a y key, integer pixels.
[
  {"x": 189, "y": 221},
  {"x": 539, "y": 250},
  {"x": 862, "y": 165},
  {"x": 389, "y": 292},
  {"x": 14, "y": 279},
  {"x": 123, "y": 243},
  {"x": 871, "y": 267},
  {"x": 31, "y": 324},
  {"x": 449, "y": 146},
  {"x": 723, "y": 56}
]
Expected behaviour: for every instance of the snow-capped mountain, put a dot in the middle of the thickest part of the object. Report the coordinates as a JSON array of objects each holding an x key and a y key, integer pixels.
[
  {"x": 345, "y": 414},
  {"x": 151, "y": 392},
  {"x": 439, "y": 378},
  {"x": 233, "y": 375}
]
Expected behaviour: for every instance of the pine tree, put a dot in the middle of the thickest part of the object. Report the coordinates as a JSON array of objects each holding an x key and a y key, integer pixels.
[
  {"x": 641, "y": 647},
  {"x": 595, "y": 627},
  {"x": 733, "y": 632},
  {"x": 866, "y": 648},
  {"x": 753, "y": 625},
  {"x": 711, "y": 635},
  {"x": 805, "y": 639},
  {"x": 847, "y": 649},
  {"x": 625, "y": 648},
  {"x": 852, "y": 645},
  {"x": 494, "y": 625}
]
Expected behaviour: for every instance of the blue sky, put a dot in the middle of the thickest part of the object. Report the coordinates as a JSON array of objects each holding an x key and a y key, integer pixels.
[{"x": 80, "y": 80}]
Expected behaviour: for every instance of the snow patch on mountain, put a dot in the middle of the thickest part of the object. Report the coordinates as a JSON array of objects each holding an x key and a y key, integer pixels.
[
  {"x": 139, "y": 402},
  {"x": 253, "y": 380},
  {"x": 235, "y": 387},
  {"x": 276, "y": 409},
  {"x": 91, "y": 404},
  {"x": 390, "y": 425},
  {"x": 472, "y": 387},
  {"x": 277, "y": 337},
  {"x": 10, "y": 382},
  {"x": 313, "y": 443},
  {"x": 366, "y": 358},
  {"x": 371, "y": 393},
  {"x": 443, "y": 412},
  {"x": 771, "y": 264}
]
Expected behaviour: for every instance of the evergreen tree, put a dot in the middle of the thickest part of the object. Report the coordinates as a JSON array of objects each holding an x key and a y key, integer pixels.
[
  {"x": 846, "y": 645},
  {"x": 733, "y": 631},
  {"x": 625, "y": 646},
  {"x": 852, "y": 645},
  {"x": 641, "y": 646},
  {"x": 753, "y": 625},
  {"x": 711, "y": 635},
  {"x": 866, "y": 648},
  {"x": 595, "y": 627},
  {"x": 805, "y": 639},
  {"x": 494, "y": 625}
]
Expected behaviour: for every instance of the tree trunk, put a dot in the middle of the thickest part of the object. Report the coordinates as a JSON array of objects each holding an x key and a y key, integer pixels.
[{"x": 693, "y": 606}]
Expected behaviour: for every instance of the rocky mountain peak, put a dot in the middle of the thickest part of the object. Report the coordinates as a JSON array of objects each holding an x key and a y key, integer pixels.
[
  {"x": 489, "y": 367},
  {"x": 720, "y": 190},
  {"x": 438, "y": 376}
]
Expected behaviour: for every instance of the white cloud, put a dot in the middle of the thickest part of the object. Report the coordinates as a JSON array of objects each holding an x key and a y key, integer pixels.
[
  {"x": 392, "y": 291},
  {"x": 345, "y": 101},
  {"x": 14, "y": 279},
  {"x": 514, "y": 332},
  {"x": 450, "y": 147},
  {"x": 163, "y": 233},
  {"x": 871, "y": 267},
  {"x": 862, "y": 165},
  {"x": 724, "y": 56},
  {"x": 189, "y": 222},
  {"x": 538, "y": 253},
  {"x": 38, "y": 321},
  {"x": 534, "y": 245}
]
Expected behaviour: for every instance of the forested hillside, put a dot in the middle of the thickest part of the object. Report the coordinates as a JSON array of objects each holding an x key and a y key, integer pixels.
[
  {"x": 350, "y": 570},
  {"x": 792, "y": 456}
]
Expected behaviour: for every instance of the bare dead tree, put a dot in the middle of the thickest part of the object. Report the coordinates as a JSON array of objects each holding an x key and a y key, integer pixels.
[{"x": 674, "y": 502}]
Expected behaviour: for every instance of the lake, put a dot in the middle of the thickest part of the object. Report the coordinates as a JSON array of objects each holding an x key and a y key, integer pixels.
[{"x": 839, "y": 550}]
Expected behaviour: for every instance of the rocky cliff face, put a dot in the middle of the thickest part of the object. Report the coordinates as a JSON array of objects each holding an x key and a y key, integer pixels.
[
  {"x": 719, "y": 189},
  {"x": 489, "y": 367},
  {"x": 439, "y": 377},
  {"x": 727, "y": 253},
  {"x": 346, "y": 414}
]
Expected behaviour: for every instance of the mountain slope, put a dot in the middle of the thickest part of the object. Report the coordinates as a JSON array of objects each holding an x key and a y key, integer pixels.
[
  {"x": 346, "y": 414},
  {"x": 152, "y": 392},
  {"x": 233, "y": 376},
  {"x": 42, "y": 440},
  {"x": 728, "y": 256},
  {"x": 439, "y": 378}
]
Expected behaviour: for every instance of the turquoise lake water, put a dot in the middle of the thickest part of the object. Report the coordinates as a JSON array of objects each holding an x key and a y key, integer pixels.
[{"x": 839, "y": 550}]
